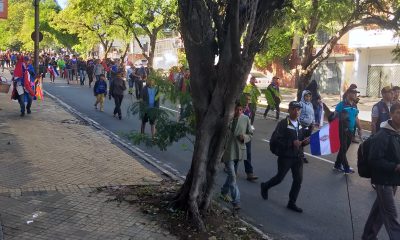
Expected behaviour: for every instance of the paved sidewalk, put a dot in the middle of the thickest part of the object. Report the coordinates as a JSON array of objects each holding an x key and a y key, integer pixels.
[{"x": 51, "y": 166}]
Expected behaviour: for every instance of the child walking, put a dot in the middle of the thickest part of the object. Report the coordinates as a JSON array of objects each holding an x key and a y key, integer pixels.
[
  {"x": 100, "y": 91},
  {"x": 307, "y": 116}
]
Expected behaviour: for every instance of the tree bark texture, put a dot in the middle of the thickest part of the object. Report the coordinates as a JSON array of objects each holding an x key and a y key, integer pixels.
[{"x": 207, "y": 33}]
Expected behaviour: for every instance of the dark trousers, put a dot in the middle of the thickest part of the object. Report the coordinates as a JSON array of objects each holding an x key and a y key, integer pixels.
[
  {"x": 383, "y": 212},
  {"x": 269, "y": 108},
  {"x": 21, "y": 101},
  {"x": 118, "y": 102},
  {"x": 90, "y": 76},
  {"x": 253, "y": 109},
  {"x": 345, "y": 141},
  {"x": 296, "y": 166},
  {"x": 248, "y": 168},
  {"x": 138, "y": 88}
]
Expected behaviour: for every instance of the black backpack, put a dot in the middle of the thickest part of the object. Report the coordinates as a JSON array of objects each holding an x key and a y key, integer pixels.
[
  {"x": 364, "y": 169},
  {"x": 274, "y": 144}
]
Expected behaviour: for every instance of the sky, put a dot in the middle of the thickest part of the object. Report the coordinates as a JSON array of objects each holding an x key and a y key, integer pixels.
[{"x": 62, "y": 3}]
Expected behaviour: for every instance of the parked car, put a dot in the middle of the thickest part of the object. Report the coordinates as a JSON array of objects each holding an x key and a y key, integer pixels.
[{"x": 262, "y": 80}]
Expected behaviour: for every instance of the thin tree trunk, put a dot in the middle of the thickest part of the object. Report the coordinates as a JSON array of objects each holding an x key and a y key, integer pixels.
[
  {"x": 153, "y": 41},
  {"x": 125, "y": 51}
]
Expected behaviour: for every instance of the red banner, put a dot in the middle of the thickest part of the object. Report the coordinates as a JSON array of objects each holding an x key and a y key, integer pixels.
[{"x": 3, "y": 8}]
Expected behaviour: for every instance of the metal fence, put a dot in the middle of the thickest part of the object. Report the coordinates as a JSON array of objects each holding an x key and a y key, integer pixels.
[
  {"x": 328, "y": 76},
  {"x": 380, "y": 76}
]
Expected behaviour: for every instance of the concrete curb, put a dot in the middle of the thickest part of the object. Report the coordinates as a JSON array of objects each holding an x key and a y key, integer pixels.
[
  {"x": 114, "y": 137},
  {"x": 140, "y": 153}
]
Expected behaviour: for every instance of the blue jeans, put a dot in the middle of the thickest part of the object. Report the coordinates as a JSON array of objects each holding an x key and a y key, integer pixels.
[
  {"x": 70, "y": 75},
  {"x": 21, "y": 101},
  {"x": 317, "y": 114},
  {"x": 230, "y": 184},
  {"x": 82, "y": 74},
  {"x": 131, "y": 83}
]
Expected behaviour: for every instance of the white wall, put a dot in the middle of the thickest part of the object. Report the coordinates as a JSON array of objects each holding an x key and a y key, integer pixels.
[
  {"x": 360, "y": 38},
  {"x": 365, "y": 57}
]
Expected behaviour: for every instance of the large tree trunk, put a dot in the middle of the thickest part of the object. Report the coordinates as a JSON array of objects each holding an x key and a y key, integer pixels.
[{"x": 216, "y": 87}]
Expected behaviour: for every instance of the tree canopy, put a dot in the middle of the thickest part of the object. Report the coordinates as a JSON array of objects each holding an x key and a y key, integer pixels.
[{"x": 15, "y": 32}]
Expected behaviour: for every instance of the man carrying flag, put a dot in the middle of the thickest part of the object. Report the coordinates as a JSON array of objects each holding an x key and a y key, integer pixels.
[{"x": 23, "y": 91}]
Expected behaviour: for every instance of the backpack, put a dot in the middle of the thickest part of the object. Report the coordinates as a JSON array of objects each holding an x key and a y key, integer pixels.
[
  {"x": 101, "y": 87},
  {"x": 274, "y": 144},
  {"x": 364, "y": 169}
]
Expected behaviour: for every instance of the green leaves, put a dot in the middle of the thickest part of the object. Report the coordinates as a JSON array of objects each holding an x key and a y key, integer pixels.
[
  {"x": 15, "y": 32},
  {"x": 169, "y": 129}
]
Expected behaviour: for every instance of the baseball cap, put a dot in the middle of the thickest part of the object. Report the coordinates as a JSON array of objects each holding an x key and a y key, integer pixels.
[
  {"x": 307, "y": 92},
  {"x": 294, "y": 104},
  {"x": 353, "y": 89}
]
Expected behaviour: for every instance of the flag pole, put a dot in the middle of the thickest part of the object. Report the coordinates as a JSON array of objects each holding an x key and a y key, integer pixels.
[{"x": 36, "y": 46}]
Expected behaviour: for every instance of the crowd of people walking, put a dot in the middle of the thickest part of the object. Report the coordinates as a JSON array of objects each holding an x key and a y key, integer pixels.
[{"x": 288, "y": 139}]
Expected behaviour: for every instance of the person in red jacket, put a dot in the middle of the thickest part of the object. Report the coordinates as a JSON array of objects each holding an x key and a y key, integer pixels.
[{"x": 23, "y": 91}]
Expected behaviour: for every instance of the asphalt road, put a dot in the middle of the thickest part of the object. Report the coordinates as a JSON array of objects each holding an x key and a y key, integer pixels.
[{"x": 323, "y": 196}]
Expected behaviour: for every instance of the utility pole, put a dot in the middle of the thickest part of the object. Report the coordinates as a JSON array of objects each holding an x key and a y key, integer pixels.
[{"x": 36, "y": 47}]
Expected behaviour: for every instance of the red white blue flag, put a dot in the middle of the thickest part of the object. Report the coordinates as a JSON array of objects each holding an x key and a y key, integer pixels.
[{"x": 326, "y": 140}]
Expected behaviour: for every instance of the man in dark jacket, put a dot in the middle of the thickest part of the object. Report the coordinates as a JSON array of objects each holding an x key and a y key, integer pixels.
[
  {"x": 117, "y": 89},
  {"x": 380, "y": 111},
  {"x": 82, "y": 70},
  {"x": 290, "y": 141},
  {"x": 384, "y": 162}
]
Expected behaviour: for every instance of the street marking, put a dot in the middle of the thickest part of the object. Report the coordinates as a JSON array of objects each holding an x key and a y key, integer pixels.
[{"x": 308, "y": 154}]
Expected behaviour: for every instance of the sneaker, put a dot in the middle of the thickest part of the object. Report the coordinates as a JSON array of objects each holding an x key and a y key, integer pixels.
[
  {"x": 305, "y": 160},
  {"x": 225, "y": 197},
  {"x": 28, "y": 111},
  {"x": 119, "y": 117},
  {"x": 338, "y": 168},
  {"x": 236, "y": 206},
  {"x": 22, "y": 114},
  {"x": 348, "y": 170},
  {"x": 251, "y": 177},
  {"x": 293, "y": 207},
  {"x": 264, "y": 191}
]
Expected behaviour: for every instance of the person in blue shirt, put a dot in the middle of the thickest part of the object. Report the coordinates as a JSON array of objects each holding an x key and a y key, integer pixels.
[
  {"x": 150, "y": 104},
  {"x": 347, "y": 112}
]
